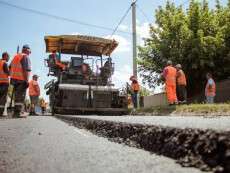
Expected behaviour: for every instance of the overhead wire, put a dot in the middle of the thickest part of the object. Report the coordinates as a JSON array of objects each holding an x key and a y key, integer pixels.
[
  {"x": 121, "y": 20},
  {"x": 59, "y": 17},
  {"x": 143, "y": 13},
  {"x": 123, "y": 17}
]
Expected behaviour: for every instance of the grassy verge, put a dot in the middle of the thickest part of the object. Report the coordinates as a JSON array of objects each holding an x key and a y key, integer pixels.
[{"x": 192, "y": 109}]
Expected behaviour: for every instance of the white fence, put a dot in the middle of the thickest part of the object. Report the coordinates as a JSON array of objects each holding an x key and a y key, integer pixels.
[{"x": 155, "y": 100}]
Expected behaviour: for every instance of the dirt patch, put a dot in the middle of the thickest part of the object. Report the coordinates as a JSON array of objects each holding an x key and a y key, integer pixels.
[{"x": 205, "y": 149}]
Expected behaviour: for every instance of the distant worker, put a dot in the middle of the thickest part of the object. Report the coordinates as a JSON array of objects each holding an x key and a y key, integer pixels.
[
  {"x": 169, "y": 74},
  {"x": 43, "y": 106},
  {"x": 56, "y": 60},
  {"x": 4, "y": 81},
  {"x": 210, "y": 89},
  {"x": 181, "y": 85},
  {"x": 34, "y": 93},
  {"x": 20, "y": 69},
  {"x": 135, "y": 88}
]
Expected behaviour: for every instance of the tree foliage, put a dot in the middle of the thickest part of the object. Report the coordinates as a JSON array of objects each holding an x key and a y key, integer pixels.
[{"x": 198, "y": 39}]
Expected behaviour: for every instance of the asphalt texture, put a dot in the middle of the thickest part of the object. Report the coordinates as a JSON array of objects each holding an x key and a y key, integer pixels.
[
  {"x": 48, "y": 145},
  {"x": 206, "y": 149},
  {"x": 215, "y": 123}
]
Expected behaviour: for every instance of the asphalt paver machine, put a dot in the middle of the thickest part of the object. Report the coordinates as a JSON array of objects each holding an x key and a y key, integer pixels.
[{"x": 84, "y": 85}]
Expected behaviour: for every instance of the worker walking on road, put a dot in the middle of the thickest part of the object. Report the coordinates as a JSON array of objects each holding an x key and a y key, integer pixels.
[
  {"x": 169, "y": 74},
  {"x": 210, "y": 89},
  {"x": 34, "y": 93},
  {"x": 135, "y": 87},
  {"x": 181, "y": 85},
  {"x": 4, "y": 81},
  {"x": 20, "y": 69}
]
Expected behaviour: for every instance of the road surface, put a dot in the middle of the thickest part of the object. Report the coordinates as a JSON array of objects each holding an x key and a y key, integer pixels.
[{"x": 48, "y": 145}]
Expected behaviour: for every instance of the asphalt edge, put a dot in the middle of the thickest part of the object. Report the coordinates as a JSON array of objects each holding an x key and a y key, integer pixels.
[{"x": 208, "y": 150}]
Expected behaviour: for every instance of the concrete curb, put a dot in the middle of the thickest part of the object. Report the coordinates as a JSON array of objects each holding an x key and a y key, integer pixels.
[{"x": 208, "y": 150}]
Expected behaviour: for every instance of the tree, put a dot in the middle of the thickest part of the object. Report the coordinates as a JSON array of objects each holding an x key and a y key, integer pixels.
[{"x": 198, "y": 38}]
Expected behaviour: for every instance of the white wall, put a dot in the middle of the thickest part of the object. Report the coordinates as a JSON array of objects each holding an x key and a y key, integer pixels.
[{"x": 155, "y": 100}]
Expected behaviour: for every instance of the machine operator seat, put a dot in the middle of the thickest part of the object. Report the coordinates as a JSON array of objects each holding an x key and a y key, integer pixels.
[{"x": 106, "y": 71}]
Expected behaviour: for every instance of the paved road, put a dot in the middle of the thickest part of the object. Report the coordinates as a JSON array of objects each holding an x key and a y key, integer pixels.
[
  {"x": 216, "y": 123},
  {"x": 48, "y": 145}
]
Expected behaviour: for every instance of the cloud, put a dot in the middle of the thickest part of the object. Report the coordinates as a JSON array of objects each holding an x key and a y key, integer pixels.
[
  {"x": 143, "y": 30},
  {"x": 124, "y": 28},
  {"x": 122, "y": 75},
  {"x": 75, "y": 33},
  {"x": 124, "y": 44}
]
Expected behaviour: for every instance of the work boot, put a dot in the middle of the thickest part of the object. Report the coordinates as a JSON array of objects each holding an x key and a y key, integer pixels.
[
  {"x": 23, "y": 115},
  {"x": 16, "y": 114},
  {"x": 1, "y": 112}
]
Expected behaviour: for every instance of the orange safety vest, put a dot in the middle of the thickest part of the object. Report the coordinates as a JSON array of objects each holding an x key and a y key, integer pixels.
[
  {"x": 57, "y": 62},
  {"x": 181, "y": 79},
  {"x": 43, "y": 104},
  {"x": 16, "y": 70},
  {"x": 135, "y": 86},
  {"x": 3, "y": 76},
  {"x": 170, "y": 76},
  {"x": 34, "y": 89},
  {"x": 210, "y": 91}
]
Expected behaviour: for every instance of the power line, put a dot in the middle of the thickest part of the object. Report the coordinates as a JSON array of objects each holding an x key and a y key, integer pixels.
[
  {"x": 143, "y": 13},
  {"x": 59, "y": 17},
  {"x": 123, "y": 17},
  {"x": 121, "y": 20}
]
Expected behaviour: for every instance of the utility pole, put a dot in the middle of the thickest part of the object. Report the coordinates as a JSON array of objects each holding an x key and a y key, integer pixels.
[{"x": 134, "y": 38}]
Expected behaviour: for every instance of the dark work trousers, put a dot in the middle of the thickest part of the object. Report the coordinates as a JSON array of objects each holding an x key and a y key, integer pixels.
[
  {"x": 3, "y": 96},
  {"x": 20, "y": 94},
  {"x": 181, "y": 93},
  {"x": 134, "y": 99}
]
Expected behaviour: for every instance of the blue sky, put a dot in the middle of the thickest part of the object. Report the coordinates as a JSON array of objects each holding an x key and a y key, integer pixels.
[{"x": 19, "y": 27}]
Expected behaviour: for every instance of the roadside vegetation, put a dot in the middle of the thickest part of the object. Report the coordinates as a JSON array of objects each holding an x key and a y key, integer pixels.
[
  {"x": 192, "y": 109},
  {"x": 197, "y": 38}
]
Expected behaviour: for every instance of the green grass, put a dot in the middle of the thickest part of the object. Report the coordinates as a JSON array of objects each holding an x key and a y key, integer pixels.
[{"x": 202, "y": 109}]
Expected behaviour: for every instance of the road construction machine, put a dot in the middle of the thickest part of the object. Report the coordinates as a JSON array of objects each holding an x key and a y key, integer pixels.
[{"x": 83, "y": 84}]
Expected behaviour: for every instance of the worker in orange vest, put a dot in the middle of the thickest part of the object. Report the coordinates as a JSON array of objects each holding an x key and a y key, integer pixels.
[
  {"x": 210, "y": 89},
  {"x": 43, "y": 105},
  {"x": 135, "y": 87},
  {"x": 181, "y": 85},
  {"x": 54, "y": 56},
  {"x": 34, "y": 93},
  {"x": 4, "y": 81},
  {"x": 169, "y": 74},
  {"x": 20, "y": 69}
]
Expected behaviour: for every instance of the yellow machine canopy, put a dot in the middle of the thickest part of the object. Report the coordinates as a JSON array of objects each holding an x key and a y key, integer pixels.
[{"x": 80, "y": 45}]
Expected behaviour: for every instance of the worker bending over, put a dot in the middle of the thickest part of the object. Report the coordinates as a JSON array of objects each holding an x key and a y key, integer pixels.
[
  {"x": 181, "y": 85},
  {"x": 169, "y": 74},
  {"x": 20, "y": 69},
  {"x": 4, "y": 81},
  {"x": 34, "y": 93},
  {"x": 56, "y": 59},
  {"x": 135, "y": 87},
  {"x": 210, "y": 89}
]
